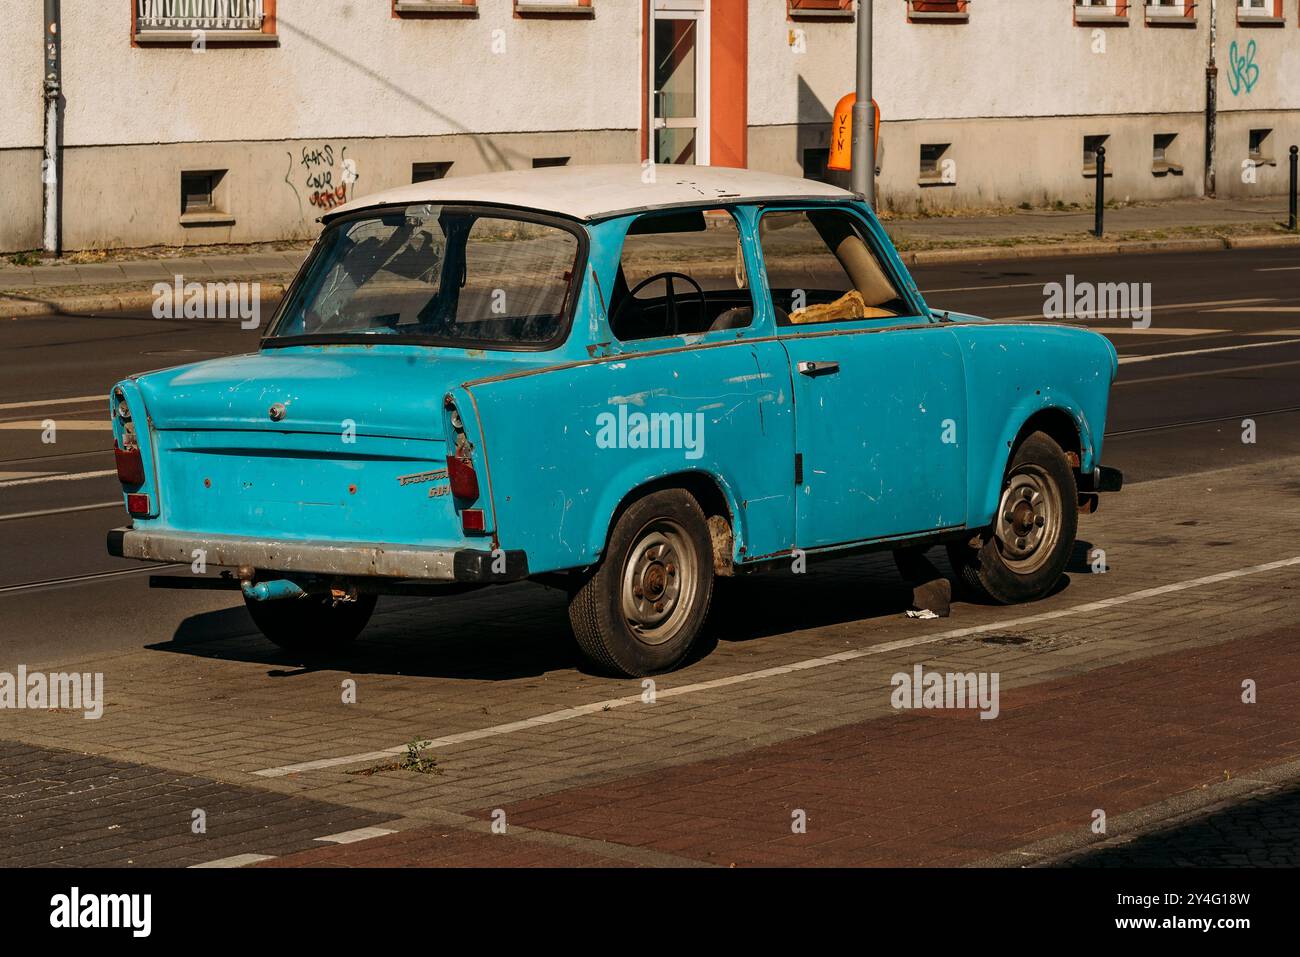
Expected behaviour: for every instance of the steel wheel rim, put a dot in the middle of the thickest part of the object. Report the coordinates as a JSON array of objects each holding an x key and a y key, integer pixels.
[
  {"x": 1028, "y": 523},
  {"x": 658, "y": 582}
]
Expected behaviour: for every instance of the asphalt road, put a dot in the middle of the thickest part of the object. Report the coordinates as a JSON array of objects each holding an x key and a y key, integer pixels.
[{"x": 1224, "y": 345}]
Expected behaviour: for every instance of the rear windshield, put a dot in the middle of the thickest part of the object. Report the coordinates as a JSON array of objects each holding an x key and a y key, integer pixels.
[{"x": 442, "y": 275}]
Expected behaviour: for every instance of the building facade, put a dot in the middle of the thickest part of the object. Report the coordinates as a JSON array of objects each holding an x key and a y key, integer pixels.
[{"x": 231, "y": 121}]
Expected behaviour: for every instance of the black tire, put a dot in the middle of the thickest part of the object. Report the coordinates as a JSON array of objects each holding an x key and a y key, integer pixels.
[
  {"x": 315, "y": 625},
  {"x": 1020, "y": 559},
  {"x": 659, "y": 560}
]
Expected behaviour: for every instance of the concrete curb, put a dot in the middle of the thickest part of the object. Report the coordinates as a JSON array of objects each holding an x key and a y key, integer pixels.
[
  {"x": 102, "y": 302},
  {"x": 110, "y": 302},
  {"x": 922, "y": 257}
]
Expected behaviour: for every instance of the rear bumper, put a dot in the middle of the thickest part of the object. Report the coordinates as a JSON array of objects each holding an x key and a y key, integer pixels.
[{"x": 354, "y": 559}]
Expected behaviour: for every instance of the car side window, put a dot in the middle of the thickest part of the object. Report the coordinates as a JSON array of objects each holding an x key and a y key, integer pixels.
[
  {"x": 680, "y": 273},
  {"x": 821, "y": 268}
]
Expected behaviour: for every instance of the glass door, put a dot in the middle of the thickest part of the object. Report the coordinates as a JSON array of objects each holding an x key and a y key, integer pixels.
[{"x": 679, "y": 82}]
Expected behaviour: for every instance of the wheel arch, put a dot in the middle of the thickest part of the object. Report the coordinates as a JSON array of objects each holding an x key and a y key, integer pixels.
[
  {"x": 715, "y": 500},
  {"x": 1065, "y": 425}
]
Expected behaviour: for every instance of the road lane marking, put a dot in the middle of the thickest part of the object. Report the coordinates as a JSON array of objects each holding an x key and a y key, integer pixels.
[
  {"x": 239, "y": 860},
  {"x": 38, "y": 478},
  {"x": 1205, "y": 372},
  {"x": 1156, "y": 331},
  {"x": 1260, "y": 309},
  {"x": 97, "y": 576},
  {"x": 1208, "y": 350},
  {"x": 68, "y": 425},
  {"x": 40, "y": 403},
  {"x": 1009, "y": 285},
  {"x": 1277, "y": 269},
  {"x": 360, "y": 834},
  {"x": 14, "y": 516},
  {"x": 1174, "y": 305},
  {"x": 568, "y": 714}
]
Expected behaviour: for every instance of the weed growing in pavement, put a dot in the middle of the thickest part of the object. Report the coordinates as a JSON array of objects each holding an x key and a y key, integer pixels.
[{"x": 413, "y": 760}]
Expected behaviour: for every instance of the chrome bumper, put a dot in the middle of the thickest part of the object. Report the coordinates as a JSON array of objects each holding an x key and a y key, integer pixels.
[{"x": 358, "y": 559}]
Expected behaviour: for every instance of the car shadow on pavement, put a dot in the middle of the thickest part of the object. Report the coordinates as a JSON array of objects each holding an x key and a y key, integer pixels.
[{"x": 522, "y": 631}]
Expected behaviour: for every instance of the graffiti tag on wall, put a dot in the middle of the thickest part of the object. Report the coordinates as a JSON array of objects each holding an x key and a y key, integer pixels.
[
  {"x": 325, "y": 174},
  {"x": 1243, "y": 71}
]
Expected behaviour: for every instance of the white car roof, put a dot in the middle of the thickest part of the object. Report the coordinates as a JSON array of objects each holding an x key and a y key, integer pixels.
[{"x": 599, "y": 192}]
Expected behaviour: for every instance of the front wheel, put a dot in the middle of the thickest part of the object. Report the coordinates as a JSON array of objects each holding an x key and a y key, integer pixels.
[
  {"x": 641, "y": 609},
  {"x": 1025, "y": 551},
  {"x": 315, "y": 625}
]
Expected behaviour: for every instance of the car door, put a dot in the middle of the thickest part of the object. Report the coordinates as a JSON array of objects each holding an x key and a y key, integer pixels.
[{"x": 878, "y": 385}]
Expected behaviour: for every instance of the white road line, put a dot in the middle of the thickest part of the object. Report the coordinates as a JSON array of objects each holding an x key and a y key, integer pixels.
[
  {"x": 39, "y": 478},
  {"x": 360, "y": 834},
  {"x": 239, "y": 860},
  {"x": 569, "y": 714},
  {"x": 41, "y": 403},
  {"x": 67, "y": 425},
  {"x": 1156, "y": 331},
  {"x": 1278, "y": 269},
  {"x": 1235, "y": 370},
  {"x": 1200, "y": 306},
  {"x": 1009, "y": 285},
  {"x": 1260, "y": 309},
  {"x": 1203, "y": 352},
  {"x": 14, "y": 516}
]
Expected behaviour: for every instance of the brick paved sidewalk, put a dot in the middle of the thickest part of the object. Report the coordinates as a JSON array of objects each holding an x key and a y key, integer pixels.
[{"x": 946, "y": 788}]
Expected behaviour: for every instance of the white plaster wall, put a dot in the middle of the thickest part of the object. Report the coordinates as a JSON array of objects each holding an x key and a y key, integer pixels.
[
  {"x": 1014, "y": 58},
  {"x": 346, "y": 68},
  {"x": 22, "y": 60}
]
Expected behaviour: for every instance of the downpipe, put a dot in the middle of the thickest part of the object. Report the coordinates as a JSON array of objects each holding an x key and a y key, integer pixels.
[{"x": 51, "y": 238}]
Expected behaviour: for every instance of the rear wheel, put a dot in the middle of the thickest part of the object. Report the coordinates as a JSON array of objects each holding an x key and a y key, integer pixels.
[
  {"x": 1024, "y": 553},
  {"x": 641, "y": 609},
  {"x": 315, "y": 625}
]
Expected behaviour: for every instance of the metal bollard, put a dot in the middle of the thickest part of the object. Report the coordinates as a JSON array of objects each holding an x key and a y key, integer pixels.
[
  {"x": 1101, "y": 192},
  {"x": 1295, "y": 158}
]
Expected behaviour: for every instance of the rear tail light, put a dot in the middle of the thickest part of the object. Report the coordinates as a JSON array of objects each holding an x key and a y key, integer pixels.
[
  {"x": 472, "y": 521},
  {"x": 130, "y": 466},
  {"x": 138, "y": 504},
  {"x": 462, "y": 478}
]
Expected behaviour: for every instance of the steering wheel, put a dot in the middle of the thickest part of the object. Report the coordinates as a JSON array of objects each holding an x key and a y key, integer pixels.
[{"x": 671, "y": 300}]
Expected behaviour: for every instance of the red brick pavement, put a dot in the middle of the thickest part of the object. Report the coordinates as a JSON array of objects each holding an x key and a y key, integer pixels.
[{"x": 925, "y": 787}]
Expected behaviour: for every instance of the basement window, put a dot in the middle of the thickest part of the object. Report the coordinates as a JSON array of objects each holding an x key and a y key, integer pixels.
[
  {"x": 541, "y": 162},
  {"x": 816, "y": 162},
  {"x": 1261, "y": 148},
  {"x": 934, "y": 168},
  {"x": 203, "y": 198},
  {"x": 427, "y": 172},
  {"x": 1161, "y": 165},
  {"x": 1101, "y": 12},
  {"x": 1090, "y": 146}
]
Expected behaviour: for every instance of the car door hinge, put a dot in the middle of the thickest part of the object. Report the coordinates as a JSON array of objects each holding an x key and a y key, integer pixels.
[{"x": 798, "y": 468}]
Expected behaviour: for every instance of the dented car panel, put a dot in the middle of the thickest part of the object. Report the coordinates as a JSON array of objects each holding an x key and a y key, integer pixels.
[{"x": 870, "y": 431}]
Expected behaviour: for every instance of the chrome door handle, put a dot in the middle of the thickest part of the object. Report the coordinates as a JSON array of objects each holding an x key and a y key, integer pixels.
[{"x": 818, "y": 368}]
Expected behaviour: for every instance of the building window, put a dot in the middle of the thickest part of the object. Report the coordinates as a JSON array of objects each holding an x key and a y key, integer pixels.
[
  {"x": 564, "y": 8},
  {"x": 454, "y": 8},
  {"x": 938, "y": 11},
  {"x": 194, "y": 23},
  {"x": 1257, "y": 12},
  {"x": 1090, "y": 146},
  {"x": 820, "y": 9},
  {"x": 815, "y": 163},
  {"x": 203, "y": 198},
  {"x": 427, "y": 172},
  {"x": 1161, "y": 153},
  {"x": 1170, "y": 13},
  {"x": 1261, "y": 148},
  {"x": 542, "y": 162},
  {"x": 1101, "y": 12},
  {"x": 936, "y": 169}
]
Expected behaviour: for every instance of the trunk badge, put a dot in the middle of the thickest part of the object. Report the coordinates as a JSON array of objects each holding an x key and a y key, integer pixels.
[{"x": 277, "y": 412}]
